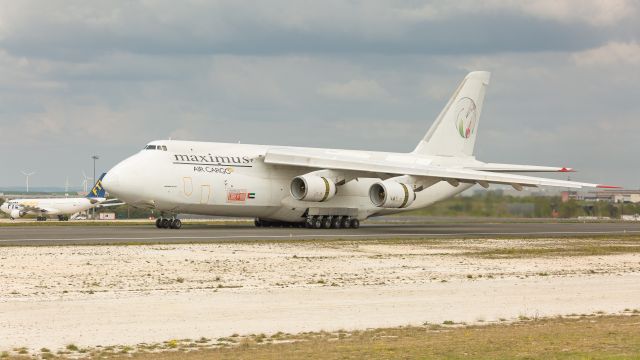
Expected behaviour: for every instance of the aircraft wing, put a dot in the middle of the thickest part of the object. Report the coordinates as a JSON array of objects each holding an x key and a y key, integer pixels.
[
  {"x": 108, "y": 204},
  {"x": 35, "y": 208},
  {"x": 495, "y": 167},
  {"x": 369, "y": 167}
]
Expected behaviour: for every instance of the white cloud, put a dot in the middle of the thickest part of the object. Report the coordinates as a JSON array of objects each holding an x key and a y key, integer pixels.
[
  {"x": 611, "y": 54},
  {"x": 75, "y": 125},
  {"x": 354, "y": 90},
  {"x": 594, "y": 12}
]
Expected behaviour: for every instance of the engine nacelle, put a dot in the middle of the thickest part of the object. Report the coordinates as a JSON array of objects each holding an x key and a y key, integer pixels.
[
  {"x": 15, "y": 213},
  {"x": 391, "y": 194},
  {"x": 311, "y": 187}
]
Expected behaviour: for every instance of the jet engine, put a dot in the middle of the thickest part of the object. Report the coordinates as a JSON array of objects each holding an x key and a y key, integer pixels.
[
  {"x": 311, "y": 187},
  {"x": 391, "y": 194},
  {"x": 15, "y": 213}
]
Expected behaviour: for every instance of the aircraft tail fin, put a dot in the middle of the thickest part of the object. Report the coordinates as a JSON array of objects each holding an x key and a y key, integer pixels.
[
  {"x": 455, "y": 129},
  {"x": 97, "y": 191}
]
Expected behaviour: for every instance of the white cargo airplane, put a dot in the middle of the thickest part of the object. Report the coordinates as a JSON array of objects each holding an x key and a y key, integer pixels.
[
  {"x": 319, "y": 188},
  {"x": 62, "y": 207}
]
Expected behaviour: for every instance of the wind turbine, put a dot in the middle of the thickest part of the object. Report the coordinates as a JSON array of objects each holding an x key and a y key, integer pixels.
[
  {"x": 85, "y": 182},
  {"x": 27, "y": 176}
]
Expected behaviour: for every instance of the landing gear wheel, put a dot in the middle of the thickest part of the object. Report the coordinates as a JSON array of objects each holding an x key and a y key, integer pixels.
[
  {"x": 159, "y": 223},
  {"x": 165, "y": 223},
  {"x": 335, "y": 222},
  {"x": 317, "y": 222},
  {"x": 176, "y": 224},
  {"x": 326, "y": 222},
  {"x": 354, "y": 223},
  {"x": 344, "y": 222},
  {"x": 257, "y": 222}
]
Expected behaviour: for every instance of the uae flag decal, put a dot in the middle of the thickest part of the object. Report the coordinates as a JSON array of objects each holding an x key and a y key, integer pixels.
[{"x": 251, "y": 195}]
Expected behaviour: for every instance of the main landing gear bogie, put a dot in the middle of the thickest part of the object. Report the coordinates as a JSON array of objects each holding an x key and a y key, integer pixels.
[
  {"x": 283, "y": 224},
  {"x": 164, "y": 223},
  {"x": 331, "y": 222},
  {"x": 314, "y": 222}
]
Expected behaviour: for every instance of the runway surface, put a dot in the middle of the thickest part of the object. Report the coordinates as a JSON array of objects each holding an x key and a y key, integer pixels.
[{"x": 89, "y": 235}]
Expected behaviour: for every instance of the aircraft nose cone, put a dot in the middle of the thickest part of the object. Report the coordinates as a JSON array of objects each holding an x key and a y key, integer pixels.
[
  {"x": 111, "y": 181},
  {"x": 125, "y": 181}
]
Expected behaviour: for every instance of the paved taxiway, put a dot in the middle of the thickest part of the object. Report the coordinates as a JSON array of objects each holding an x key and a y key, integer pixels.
[{"x": 87, "y": 235}]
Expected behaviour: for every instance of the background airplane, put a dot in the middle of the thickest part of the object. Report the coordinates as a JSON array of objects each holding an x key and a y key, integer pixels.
[
  {"x": 320, "y": 188},
  {"x": 61, "y": 207}
]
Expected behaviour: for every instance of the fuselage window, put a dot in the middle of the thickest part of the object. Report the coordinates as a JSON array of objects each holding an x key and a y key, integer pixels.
[
  {"x": 164, "y": 148},
  {"x": 151, "y": 147}
]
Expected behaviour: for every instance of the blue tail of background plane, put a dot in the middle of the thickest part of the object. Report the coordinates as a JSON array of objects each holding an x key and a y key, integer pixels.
[{"x": 98, "y": 190}]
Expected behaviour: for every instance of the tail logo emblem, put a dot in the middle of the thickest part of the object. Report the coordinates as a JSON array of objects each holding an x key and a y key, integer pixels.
[
  {"x": 97, "y": 188},
  {"x": 465, "y": 115}
]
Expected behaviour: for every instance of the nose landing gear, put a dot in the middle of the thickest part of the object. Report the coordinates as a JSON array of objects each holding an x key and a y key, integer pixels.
[{"x": 164, "y": 223}]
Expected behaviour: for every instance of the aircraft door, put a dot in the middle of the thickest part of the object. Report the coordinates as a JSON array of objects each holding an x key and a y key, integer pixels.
[
  {"x": 187, "y": 185},
  {"x": 205, "y": 193}
]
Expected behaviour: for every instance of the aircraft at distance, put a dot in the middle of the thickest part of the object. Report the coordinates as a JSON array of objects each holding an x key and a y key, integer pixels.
[
  {"x": 61, "y": 207},
  {"x": 319, "y": 188}
]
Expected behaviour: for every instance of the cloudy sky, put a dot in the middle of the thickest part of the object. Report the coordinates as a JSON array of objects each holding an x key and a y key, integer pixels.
[{"x": 79, "y": 78}]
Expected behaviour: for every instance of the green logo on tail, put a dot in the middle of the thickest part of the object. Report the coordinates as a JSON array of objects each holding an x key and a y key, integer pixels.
[{"x": 465, "y": 117}]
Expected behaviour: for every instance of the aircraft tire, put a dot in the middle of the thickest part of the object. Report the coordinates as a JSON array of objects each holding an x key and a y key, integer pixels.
[
  {"x": 344, "y": 222},
  {"x": 354, "y": 223},
  {"x": 317, "y": 222},
  {"x": 257, "y": 222},
  {"x": 165, "y": 223},
  {"x": 335, "y": 222},
  {"x": 159, "y": 223},
  {"x": 176, "y": 224},
  {"x": 326, "y": 222}
]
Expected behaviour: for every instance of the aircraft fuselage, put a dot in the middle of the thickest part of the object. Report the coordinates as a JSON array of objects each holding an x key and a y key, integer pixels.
[{"x": 233, "y": 180}]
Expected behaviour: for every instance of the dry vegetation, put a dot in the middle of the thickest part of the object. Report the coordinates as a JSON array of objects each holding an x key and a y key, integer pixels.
[
  {"x": 575, "y": 337},
  {"x": 588, "y": 337}
]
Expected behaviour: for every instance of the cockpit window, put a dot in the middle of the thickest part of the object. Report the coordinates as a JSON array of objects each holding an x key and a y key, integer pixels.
[{"x": 156, "y": 147}]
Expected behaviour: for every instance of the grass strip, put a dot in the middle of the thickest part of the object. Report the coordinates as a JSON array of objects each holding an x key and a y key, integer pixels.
[{"x": 601, "y": 337}]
